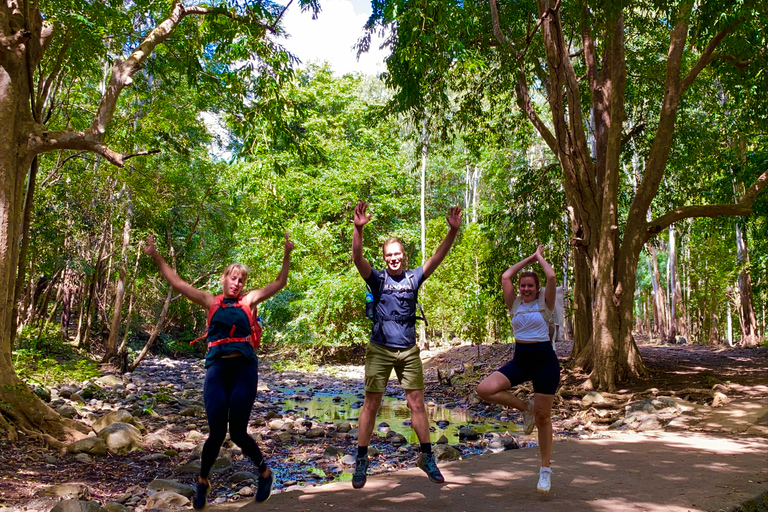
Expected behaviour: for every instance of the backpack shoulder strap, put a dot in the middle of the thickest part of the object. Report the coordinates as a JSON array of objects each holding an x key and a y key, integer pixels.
[
  {"x": 218, "y": 300},
  {"x": 515, "y": 305},
  {"x": 543, "y": 309}
]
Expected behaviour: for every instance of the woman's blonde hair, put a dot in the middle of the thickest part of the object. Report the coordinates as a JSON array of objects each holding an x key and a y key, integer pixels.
[{"x": 234, "y": 267}]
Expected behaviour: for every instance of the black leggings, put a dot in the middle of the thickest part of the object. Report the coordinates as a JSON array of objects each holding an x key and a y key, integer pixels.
[
  {"x": 229, "y": 393},
  {"x": 536, "y": 362}
]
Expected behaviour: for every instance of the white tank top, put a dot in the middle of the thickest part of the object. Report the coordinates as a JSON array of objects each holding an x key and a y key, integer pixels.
[{"x": 528, "y": 324}]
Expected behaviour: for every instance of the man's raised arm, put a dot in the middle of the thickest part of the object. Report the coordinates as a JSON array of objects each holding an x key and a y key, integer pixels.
[
  {"x": 454, "y": 223},
  {"x": 361, "y": 219}
]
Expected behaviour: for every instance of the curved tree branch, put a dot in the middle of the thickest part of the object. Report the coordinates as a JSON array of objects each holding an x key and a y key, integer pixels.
[
  {"x": 707, "y": 56},
  {"x": 743, "y": 207}
]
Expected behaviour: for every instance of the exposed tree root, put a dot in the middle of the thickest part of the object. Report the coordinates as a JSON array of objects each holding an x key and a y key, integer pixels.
[{"x": 11, "y": 433}]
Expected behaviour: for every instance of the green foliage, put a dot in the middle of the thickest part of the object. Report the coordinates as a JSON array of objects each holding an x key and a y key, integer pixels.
[{"x": 47, "y": 360}]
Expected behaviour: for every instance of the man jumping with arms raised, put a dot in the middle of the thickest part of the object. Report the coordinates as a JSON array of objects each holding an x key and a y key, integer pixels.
[{"x": 393, "y": 339}]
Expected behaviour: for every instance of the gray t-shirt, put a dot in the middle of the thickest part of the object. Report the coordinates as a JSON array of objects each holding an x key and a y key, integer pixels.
[{"x": 395, "y": 307}]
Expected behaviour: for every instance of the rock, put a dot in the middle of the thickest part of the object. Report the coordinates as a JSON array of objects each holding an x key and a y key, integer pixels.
[
  {"x": 65, "y": 390},
  {"x": 397, "y": 439},
  {"x": 75, "y": 397},
  {"x": 246, "y": 491},
  {"x": 195, "y": 411},
  {"x": 593, "y": 397},
  {"x": 353, "y": 433},
  {"x": 192, "y": 467},
  {"x": 372, "y": 452},
  {"x": 89, "y": 391},
  {"x": 166, "y": 499},
  {"x": 71, "y": 505},
  {"x": 84, "y": 458},
  {"x": 468, "y": 433},
  {"x": 121, "y": 438},
  {"x": 444, "y": 452},
  {"x": 242, "y": 476},
  {"x": 159, "y": 484},
  {"x": 442, "y": 440},
  {"x": 348, "y": 460},
  {"x": 113, "y": 506},
  {"x": 284, "y": 437},
  {"x": 93, "y": 445},
  {"x": 276, "y": 424},
  {"x": 154, "y": 457},
  {"x": 315, "y": 432},
  {"x": 110, "y": 381},
  {"x": 119, "y": 416},
  {"x": 344, "y": 427},
  {"x": 43, "y": 392},
  {"x": 184, "y": 446},
  {"x": 67, "y": 411},
  {"x": 194, "y": 436},
  {"x": 508, "y": 442},
  {"x": 383, "y": 427},
  {"x": 222, "y": 464},
  {"x": 719, "y": 399},
  {"x": 66, "y": 491},
  {"x": 333, "y": 453}
]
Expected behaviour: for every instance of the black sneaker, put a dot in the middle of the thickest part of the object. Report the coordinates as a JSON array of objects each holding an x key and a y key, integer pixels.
[
  {"x": 361, "y": 470},
  {"x": 201, "y": 496},
  {"x": 426, "y": 462},
  {"x": 264, "y": 489}
]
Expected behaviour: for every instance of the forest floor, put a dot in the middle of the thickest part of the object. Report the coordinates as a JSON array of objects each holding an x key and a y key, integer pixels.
[{"x": 697, "y": 374}]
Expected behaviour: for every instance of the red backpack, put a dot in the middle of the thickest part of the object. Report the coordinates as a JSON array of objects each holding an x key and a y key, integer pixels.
[{"x": 254, "y": 338}]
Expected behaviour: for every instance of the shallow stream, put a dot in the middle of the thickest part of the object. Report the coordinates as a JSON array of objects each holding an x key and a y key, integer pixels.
[{"x": 329, "y": 406}]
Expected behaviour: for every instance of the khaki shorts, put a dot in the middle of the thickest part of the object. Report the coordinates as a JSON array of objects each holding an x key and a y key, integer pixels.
[{"x": 380, "y": 360}]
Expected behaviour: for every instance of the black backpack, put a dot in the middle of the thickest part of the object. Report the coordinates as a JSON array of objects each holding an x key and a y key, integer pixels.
[{"x": 370, "y": 307}]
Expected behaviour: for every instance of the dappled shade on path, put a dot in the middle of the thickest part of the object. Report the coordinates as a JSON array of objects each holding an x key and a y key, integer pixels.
[{"x": 671, "y": 472}]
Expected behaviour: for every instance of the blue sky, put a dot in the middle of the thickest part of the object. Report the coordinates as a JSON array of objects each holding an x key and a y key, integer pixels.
[{"x": 332, "y": 35}]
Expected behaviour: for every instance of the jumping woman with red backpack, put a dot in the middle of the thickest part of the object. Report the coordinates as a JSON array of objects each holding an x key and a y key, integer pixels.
[
  {"x": 231, "y": 363},
  {"x": 531, "y": 312}
]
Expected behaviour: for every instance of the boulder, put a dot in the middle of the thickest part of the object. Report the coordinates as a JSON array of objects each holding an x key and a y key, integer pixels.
[
  {"x": 119, "y": 416},
  {"x": 93, "y": 445},
  {"x": 333, "y": 453},
  {"x": 121, "y": 438},
  {"x": 159, "y": 484},
  {"x": 593, "y": 397},
  {"x": 109, "y": 381},
  {"x": 66, "y": 491},
  {"x": 468, "y": 433},
  {"x": 167, "y": 500},
  {"x": 72, "y": 505},
  {"x": 114, "y": 506},
  {"x": 444, "y": 452}
]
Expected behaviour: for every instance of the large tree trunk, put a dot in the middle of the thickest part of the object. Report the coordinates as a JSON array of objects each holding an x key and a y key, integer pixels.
[{"x": 748, "y": 319}]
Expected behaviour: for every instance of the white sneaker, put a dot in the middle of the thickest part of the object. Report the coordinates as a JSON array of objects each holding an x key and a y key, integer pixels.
[
  {"x": 529, "y": 422},
  {"x": 544, "y": 480}
]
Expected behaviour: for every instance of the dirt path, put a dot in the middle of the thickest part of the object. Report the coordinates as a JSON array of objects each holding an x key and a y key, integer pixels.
[
  {"x": 687, "y": 372},
  {"x": 659, "y": 472}
]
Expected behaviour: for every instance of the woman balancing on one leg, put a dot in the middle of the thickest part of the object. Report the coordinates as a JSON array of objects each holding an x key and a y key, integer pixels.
[
  {"x": 534, "y": 358},
  {"x": 231, "y": 363}
]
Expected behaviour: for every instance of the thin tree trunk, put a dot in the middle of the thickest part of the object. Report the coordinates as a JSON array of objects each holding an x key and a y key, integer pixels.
[
  {"x": 155, "y": 332},
  {"x": 111, "y": 348},
  {"x": 424, "y": 343}
]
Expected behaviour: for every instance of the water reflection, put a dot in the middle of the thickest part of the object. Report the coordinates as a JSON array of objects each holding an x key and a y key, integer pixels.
[{"x": 444, "y": 420}]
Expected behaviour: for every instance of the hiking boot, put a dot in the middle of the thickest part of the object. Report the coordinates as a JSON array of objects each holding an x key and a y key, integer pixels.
[
  {"x": 361, "y": 470},
  {"x": 201, "y": 495},
  {"x": 426, "y": 462},
  {"x": 545, "y": 483},
  {"x": 264, "y": 487},
  {"x": 529, "y": 422}
]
